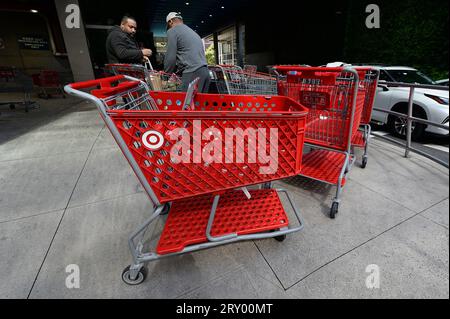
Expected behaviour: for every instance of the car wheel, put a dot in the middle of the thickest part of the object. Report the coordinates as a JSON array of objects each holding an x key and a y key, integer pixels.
[{"x": 398, "y": 125}]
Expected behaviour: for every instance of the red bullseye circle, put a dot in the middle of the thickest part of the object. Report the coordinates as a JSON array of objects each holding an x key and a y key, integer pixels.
[{"x": 153, "y": 140}]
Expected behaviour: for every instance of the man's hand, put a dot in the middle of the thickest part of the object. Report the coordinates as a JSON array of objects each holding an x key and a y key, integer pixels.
[{"x": 147, "y": 52}]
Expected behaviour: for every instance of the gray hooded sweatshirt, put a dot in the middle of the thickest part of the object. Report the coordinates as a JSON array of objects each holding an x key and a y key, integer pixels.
[{"x": 185, "y": 50}]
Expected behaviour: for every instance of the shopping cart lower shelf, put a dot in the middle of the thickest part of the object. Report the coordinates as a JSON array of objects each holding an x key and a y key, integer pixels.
[
  {"x": 358, "y": 140},
  {"x": 187, "y": 221},
  {"x": 323, "y": 165}
]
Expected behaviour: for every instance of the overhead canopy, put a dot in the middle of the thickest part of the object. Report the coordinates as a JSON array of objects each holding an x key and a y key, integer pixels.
[{"x": 203, "y": 16}]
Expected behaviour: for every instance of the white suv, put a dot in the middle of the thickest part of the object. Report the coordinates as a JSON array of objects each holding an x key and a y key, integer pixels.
[{"x": 429, "y": 104}]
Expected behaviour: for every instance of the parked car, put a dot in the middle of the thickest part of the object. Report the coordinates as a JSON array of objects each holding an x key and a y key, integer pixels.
[
  {"x": 443, "y": 82},
  {"x": 429, "y": 104}
]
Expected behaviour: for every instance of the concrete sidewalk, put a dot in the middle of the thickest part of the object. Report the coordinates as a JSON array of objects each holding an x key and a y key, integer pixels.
[{"x": 68, "y": 196}]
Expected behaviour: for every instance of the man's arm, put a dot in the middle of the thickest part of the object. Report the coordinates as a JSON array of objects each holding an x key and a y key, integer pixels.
[
  {"x": 170, "y": 60},
  {"x": 125, "y": 53}
]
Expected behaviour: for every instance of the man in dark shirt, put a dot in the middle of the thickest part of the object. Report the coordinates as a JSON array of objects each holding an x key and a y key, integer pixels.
[{"x": 121, "y": 46}]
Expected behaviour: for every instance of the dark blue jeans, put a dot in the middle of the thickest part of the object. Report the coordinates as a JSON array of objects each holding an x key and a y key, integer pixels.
[{"x": 203, "y": 84}]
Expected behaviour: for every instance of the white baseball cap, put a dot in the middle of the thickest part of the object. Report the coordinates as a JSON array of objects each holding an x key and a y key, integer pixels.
[{"x": 172, "y": 15}]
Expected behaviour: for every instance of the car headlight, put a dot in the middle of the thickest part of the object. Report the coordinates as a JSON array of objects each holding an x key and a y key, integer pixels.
[{"x": 440, "y": 100}]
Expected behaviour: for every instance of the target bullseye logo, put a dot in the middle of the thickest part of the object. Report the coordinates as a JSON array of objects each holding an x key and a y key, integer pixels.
[{"x": 152, "y": 140}]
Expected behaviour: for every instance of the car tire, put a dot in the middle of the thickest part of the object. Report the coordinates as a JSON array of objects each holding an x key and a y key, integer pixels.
[{"x": 398, "y": 126}]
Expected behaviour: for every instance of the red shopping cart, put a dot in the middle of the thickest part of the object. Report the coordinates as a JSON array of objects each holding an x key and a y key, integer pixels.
[
  {"x": 156, "y": 80},
  {"x": 195, "y": 154},
  {"x": 231, "y": 79},
  {"x": 362, "y": 137},
  {"x": 48, "y": 81},
  {"x": 13, "y": 80},
  {"x": 336, "y": 98}
]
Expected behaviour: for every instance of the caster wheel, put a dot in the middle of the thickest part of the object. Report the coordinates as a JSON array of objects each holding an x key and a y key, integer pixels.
[
  {"x": 12, "y": 106},
  {"x": 280, "y": 238},
  {"x": 334, "y": 210},
  {"x": 364, "y": 163},
  {"x": 142, "y": 274},
  {"x": 165, "y": 209}
]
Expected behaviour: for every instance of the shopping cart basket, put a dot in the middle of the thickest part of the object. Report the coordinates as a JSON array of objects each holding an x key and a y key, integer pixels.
[
  {"x": 156, "y": 80},
  {"x": 362, "y": 136},
  {"x": 48, "y": 81},
  {"x": 169, "y": 139},
  {"x": 335, "y": 98},
  {"x": 231, "y": 79},
  {"x": 13, "y": 80}
]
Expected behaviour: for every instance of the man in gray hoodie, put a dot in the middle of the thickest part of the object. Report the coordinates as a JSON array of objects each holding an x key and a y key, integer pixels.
[{"x": 185, "y": 53}]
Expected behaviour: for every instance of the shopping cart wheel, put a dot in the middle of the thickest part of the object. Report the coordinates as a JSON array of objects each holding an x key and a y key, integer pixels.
[
  {"x": 280, "y": 238},
  {"x": 142, "y": 274},
  {"x": 334, "y": 210},
  {"x": 364, "y": 162},
  {"x": 166, "y": 209}
]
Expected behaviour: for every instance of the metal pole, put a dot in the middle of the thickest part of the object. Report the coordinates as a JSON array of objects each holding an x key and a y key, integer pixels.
[{"x": 409, "y": 126}]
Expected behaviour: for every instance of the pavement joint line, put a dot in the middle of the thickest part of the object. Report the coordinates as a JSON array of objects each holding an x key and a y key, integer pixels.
[
  {"x": 212, "y": 280},
  {"x": 442, "y": 200},
  {"x": 62, "y": 216},
  {"x": 362, "y": 244},
  {"x": 31, "y": 216},
  {"x": 270, "y": 266},
  {"x": 105, "y": 148},
  {"x": 104, "y": 200},
  {"x": 430, "y": 220},
  {"x": 41, "y": 157},
  {"x": 268, "y": 281},
  {"x": 434, "y": 205},
  {"x": 384, "y": 196}
]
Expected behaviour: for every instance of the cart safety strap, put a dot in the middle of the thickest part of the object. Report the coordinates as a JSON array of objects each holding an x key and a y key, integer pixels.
[{"x": 105, "y": 82}]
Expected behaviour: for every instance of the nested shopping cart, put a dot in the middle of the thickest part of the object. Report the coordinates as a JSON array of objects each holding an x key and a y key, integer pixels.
[
  {"x": 195, "y": 154},
  {"x": 156, "y": 80},
  {"x": 231, "y": 79},
  {"x": 362, "y": 136},
  {"x": 48, "y": 81},
  {"x": 336, "y": 98}
]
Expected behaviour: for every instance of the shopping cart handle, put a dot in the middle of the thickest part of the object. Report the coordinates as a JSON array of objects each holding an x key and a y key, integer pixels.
[
  {"x": 104, "y": 82},
  {"x": 287, "y": 68},
  {"x": 105, "y": 92}
]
